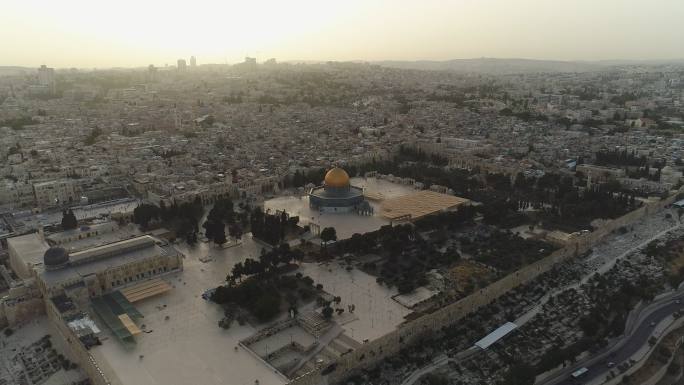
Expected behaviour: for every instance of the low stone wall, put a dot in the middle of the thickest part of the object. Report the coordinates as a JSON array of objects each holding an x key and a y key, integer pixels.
[{"x": 391, "y": 343}]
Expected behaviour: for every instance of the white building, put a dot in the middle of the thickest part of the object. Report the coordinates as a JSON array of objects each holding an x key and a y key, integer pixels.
[{"x": 54, "y": 192}]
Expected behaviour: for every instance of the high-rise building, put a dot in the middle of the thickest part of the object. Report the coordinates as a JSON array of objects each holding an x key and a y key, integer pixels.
[
  {"x": 151, "y": 73},
  {"x": 46, "y": 77},
  {"x": 181, "y": 65},
  {"x": 193, "y": 61}
]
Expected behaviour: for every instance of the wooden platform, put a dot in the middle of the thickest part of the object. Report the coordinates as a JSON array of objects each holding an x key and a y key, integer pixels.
[
  {"x": 419, "y": 204},
  {"x": 145, "y": 290}
]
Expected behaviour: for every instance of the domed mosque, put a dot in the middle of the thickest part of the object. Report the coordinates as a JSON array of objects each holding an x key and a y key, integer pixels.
[
  {"x": 337, "y": 195},
  {"x": 55, "y": 258}
]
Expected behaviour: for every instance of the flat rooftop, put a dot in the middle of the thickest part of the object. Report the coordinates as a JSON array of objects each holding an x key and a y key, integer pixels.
[
  {"x": 496, "y": 335},
  {"x": 419, "y": 204},
  {"x": 29, "y": 247}
]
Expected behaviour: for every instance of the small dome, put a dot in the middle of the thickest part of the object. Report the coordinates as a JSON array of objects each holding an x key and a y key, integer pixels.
[
  {"x": 336, "y": 177},
  {"x": 55, "y": 257}
]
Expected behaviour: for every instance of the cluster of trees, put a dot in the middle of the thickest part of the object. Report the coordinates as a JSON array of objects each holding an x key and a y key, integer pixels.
[
  {"x": 271, "y": 228},
  {"x": 505, "y": 250},
  {"x": 145, "y": 213},
  {"x": 520, "y": 373},
  {"x": 563, "y": 204},
  {"x": 183, "y": 219},
  {"x": 261, "y": 298},
  {"x": 412, "y": 154},
  {"x": 302, "y": 178},
  {"x": 407, "y": 255},
  {"x": 263, "y": 288},
  {"x": 215, "y": 225},
  {"x": 69, "y": 221},
  {"x": 409, "y": 251},
  {"x": 450, "y": 220},
  {"x": 267, "y": 264},
  {"x": 575, "y": 210}
]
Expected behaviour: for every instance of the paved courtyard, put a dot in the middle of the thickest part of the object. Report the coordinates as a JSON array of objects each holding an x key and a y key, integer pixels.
[
  {"x": 345, "y": 224},
  {"x": 376, "y": 313},
  {"x": 189, "y": 347}
]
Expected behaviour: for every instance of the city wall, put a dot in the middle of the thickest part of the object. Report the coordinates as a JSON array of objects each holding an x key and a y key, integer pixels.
[{"x": 391, "y": 343}]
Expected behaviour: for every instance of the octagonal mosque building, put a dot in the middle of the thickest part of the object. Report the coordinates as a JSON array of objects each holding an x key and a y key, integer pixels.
[{"x": 337, "y": 195}]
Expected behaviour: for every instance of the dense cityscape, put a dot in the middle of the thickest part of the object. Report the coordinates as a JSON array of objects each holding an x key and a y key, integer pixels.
[{"x": 387, "y": 222}]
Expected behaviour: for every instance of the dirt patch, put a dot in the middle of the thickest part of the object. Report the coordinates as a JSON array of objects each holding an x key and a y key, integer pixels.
[{"x": 466, "y": 275}]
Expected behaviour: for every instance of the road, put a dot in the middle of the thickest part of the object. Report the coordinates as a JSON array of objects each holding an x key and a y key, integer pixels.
[{"x": 624, "y": 348}]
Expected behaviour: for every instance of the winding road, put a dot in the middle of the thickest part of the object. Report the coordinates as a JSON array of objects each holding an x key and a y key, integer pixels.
[{"x": 626, "y": 346}]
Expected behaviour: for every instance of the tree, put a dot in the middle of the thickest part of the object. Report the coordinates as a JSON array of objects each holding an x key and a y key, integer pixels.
[
  {"x": 209, "y": 227},
  {"x": 267, "y": 307},
  {"x": 238, "y": 272},
  {"x": 220, "y": 233},
  {"x": 235, "y": 231},
  {"x": 191, "y": 238},
  {"x": 69, "y": 220},
  {"x": 436, "y": 379},
  {"x": 328, "y": 234},
  {"x": 327, "y": 312},
  {"x": 143, "y": 214},
  {"x": 520, "y": 373}
]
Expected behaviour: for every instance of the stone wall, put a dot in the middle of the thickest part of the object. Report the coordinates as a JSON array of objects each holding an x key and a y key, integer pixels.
[
  {"x": 21, "y": 304},
  {"x": 78, "y": 353},
  {"x": 390, "y": 344}
]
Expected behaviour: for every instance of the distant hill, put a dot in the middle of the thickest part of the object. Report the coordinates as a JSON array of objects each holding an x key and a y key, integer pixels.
[{"x": 495, "y": 66}]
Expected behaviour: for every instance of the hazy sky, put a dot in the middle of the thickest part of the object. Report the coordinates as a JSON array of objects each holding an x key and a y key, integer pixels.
[{"x": 97, "y": 33}]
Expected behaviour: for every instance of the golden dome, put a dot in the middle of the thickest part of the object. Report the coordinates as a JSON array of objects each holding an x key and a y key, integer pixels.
[{"x": 336, "y": 177}]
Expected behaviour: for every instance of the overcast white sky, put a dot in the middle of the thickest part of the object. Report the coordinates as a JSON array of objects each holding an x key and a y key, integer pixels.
[{"x": 96, "y": 33}]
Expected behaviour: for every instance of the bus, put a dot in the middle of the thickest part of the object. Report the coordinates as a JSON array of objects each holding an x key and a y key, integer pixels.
[{"x": 579, "y": 372}]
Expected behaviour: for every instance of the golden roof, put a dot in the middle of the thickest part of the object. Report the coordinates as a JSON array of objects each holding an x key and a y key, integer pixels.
[{"x": 336, "y": 177}]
